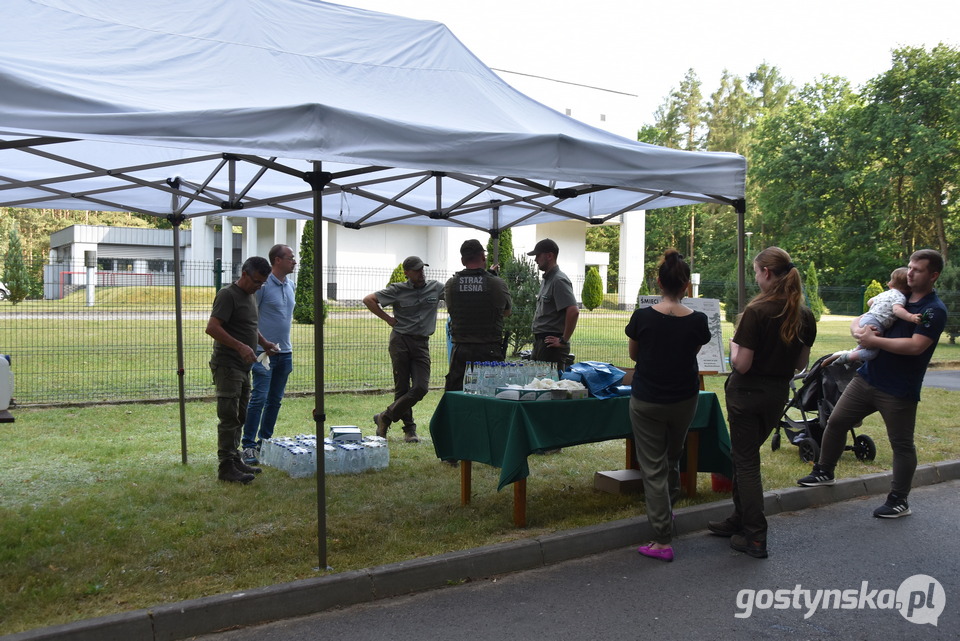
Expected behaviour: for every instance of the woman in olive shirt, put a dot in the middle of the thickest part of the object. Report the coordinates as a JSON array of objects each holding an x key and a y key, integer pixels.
[{"x": 772, "y": 341}]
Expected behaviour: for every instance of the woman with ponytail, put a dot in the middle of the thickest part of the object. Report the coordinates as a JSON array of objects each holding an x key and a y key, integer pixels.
[
  {"x": 772, "y": 341},
  {"x": 664, "y": 342}
]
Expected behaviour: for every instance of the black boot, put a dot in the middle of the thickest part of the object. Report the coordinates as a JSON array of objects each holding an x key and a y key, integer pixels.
[
  {"x": 244, "y": 468},
  {"x": 228, "y": 472}
]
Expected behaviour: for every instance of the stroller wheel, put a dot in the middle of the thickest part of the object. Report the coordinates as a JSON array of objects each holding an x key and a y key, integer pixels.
[
  {"x": 864, "y": 448},
  {"x": 809, "y": 450},
  {"x": 775, "y": 441}
]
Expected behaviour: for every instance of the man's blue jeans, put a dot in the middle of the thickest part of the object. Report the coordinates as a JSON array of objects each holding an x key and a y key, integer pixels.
[{"x": 265, "y": 398}]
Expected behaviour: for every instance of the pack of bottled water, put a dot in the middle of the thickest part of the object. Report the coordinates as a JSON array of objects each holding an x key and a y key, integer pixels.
[
  {"x": 485, "y": 377},
  {"x": 297, "y": 455}
]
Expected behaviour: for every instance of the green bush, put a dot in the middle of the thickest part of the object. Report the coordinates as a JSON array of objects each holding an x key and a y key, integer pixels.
[
  {"x": 504, "y": 250},
  {"x": 811, "y": 287},
  {"x": 523, "y": 281},
  {"x": 303, "y": 296},
  {"x": 873, "y": 289},
  {"x": 15, "y": 274},
  {"x": 644, "y": 289},
  {"x": 592, "y": 292},
  {"x": 397, "y": 276}
]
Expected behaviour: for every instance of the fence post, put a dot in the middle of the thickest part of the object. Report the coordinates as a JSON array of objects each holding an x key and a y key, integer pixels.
[
  {"x": 90, "y": 262},
  {"x": 217, "y": 275}
]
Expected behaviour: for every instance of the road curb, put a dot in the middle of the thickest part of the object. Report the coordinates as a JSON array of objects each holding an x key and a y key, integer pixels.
[{"x": 212, "y": 614}]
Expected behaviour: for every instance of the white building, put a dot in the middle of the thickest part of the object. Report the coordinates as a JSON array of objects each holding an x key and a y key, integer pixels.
[{"x": 141, "y": 256}]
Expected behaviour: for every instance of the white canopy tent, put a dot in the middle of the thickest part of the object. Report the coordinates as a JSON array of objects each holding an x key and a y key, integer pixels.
[{"x": 303, "y": 109}]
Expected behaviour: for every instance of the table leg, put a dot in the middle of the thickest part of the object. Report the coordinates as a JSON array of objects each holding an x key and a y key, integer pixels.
[
  {"x": 693, "y": 460},
  {"x": 520, "y": 503},
  {"x": 632, "y": 462},
  {"x": 466, "y": 478}
]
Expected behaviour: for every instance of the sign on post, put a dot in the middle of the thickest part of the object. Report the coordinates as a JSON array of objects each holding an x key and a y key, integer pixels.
[{"x": 711, "y": 357}]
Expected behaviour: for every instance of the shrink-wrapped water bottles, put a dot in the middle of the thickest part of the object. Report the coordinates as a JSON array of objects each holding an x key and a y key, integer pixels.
[{"x": 297, "y": 456}]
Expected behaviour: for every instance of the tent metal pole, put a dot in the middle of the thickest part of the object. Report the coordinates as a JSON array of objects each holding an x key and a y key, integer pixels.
[
  {"x": 495, "y": 232},
  {"x": 318, "y": 179},
  {"x": 176, "y": 220},
  {"x": 740, "y": 205}
]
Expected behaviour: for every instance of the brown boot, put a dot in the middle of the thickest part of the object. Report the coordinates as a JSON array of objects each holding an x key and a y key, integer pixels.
[
  {"x": 382, "y": 423},
  {"x": 410, "y": 435},
  {"x": 228, "y": 472}
]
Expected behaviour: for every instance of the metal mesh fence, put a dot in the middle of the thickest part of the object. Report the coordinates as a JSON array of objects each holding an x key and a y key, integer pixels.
[{"x": 118, "y": 342}]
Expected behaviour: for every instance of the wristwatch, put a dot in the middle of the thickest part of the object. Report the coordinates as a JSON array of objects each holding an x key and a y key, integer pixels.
[{"x": 562, "y": 341}]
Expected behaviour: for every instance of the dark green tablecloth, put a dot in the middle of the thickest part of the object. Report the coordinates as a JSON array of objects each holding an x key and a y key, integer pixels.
[{"x": 503, "y": 433}]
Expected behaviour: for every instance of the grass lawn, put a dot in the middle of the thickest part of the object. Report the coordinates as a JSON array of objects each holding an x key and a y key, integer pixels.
[{"x": 99, "y": 516}]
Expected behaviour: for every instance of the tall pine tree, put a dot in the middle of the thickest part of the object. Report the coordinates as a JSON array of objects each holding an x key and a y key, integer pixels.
[
  {"x": 15, "y": 274},
  {"x": 504, "y": 248},
  {"x": 303, "y": 300}
]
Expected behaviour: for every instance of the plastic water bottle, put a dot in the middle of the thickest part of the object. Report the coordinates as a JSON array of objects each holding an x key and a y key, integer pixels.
[
  {"x": 331, "y": 463},
  {"x": 376, "y": 455},
  {"x": 352, "y": 462},
  {"x": 481, "y": 369},
  {"x": 522, "y": 375},
  {"x": 266, "y": 450},
  {"x": 284, "y": 457},
  {"x": 515, "y": 375},
  {"x": 470, "y": 379},
  {"x": 493, "y": 376},
  {"x": 293, "y": 462}
]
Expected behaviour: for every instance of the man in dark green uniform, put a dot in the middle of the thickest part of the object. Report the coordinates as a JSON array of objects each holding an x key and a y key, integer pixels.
[
  {"x": 233, "y": 327},
  {"x": 414, "y": 320},
  {"x": 477, "y": 301},
  {"x": 557, "y": 310}
]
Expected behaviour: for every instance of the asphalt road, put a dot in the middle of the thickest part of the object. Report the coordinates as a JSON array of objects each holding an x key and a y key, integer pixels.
[
  {"x": 942, "y": 378},
  {"x": 709, "y": 592}
]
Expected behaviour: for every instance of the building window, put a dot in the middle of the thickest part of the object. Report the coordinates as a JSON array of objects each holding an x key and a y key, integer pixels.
[
  {"x": 115, "y": 264},
  {"x": 161, "y": 266}
]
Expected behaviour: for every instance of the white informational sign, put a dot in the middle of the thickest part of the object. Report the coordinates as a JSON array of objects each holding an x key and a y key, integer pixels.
[{"x": 711, "y": 357}]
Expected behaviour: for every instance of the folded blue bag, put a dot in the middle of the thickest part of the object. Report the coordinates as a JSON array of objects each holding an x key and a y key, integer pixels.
[{"x": 601, "y": 379}]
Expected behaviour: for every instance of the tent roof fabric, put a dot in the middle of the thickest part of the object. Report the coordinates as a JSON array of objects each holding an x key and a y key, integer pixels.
[{"x": 197, "y": 108}]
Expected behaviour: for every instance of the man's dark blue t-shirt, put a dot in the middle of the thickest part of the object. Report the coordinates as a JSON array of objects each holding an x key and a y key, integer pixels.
[{"x": 900, "y": 375}]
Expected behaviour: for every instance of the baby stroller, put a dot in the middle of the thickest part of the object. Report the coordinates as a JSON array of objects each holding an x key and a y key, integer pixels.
[{"x": 806, "y": 413}]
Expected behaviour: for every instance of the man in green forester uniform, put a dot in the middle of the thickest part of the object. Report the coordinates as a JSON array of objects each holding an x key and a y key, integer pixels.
[
  {"x": 233, "y": 327},
  {"x": 557, "y": 310},
  {"x": 414, "y": 320},
  {"x": 477, "y": 302}
]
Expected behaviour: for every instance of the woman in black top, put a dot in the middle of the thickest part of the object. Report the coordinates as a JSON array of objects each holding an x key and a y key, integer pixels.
[{"x": 664, "y": 342}]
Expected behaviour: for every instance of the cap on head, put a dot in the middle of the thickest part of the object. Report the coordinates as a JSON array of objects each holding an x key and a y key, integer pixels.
[
  {"x": 544, "y": 246},
  {"x": 471, "y": 249},
  {"x": 413, "y": 264}
]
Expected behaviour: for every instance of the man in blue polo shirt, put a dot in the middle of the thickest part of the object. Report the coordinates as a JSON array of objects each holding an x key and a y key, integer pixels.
[
  {"x": 890, "y": 384},
  {"x": 275, "y": 305}
]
